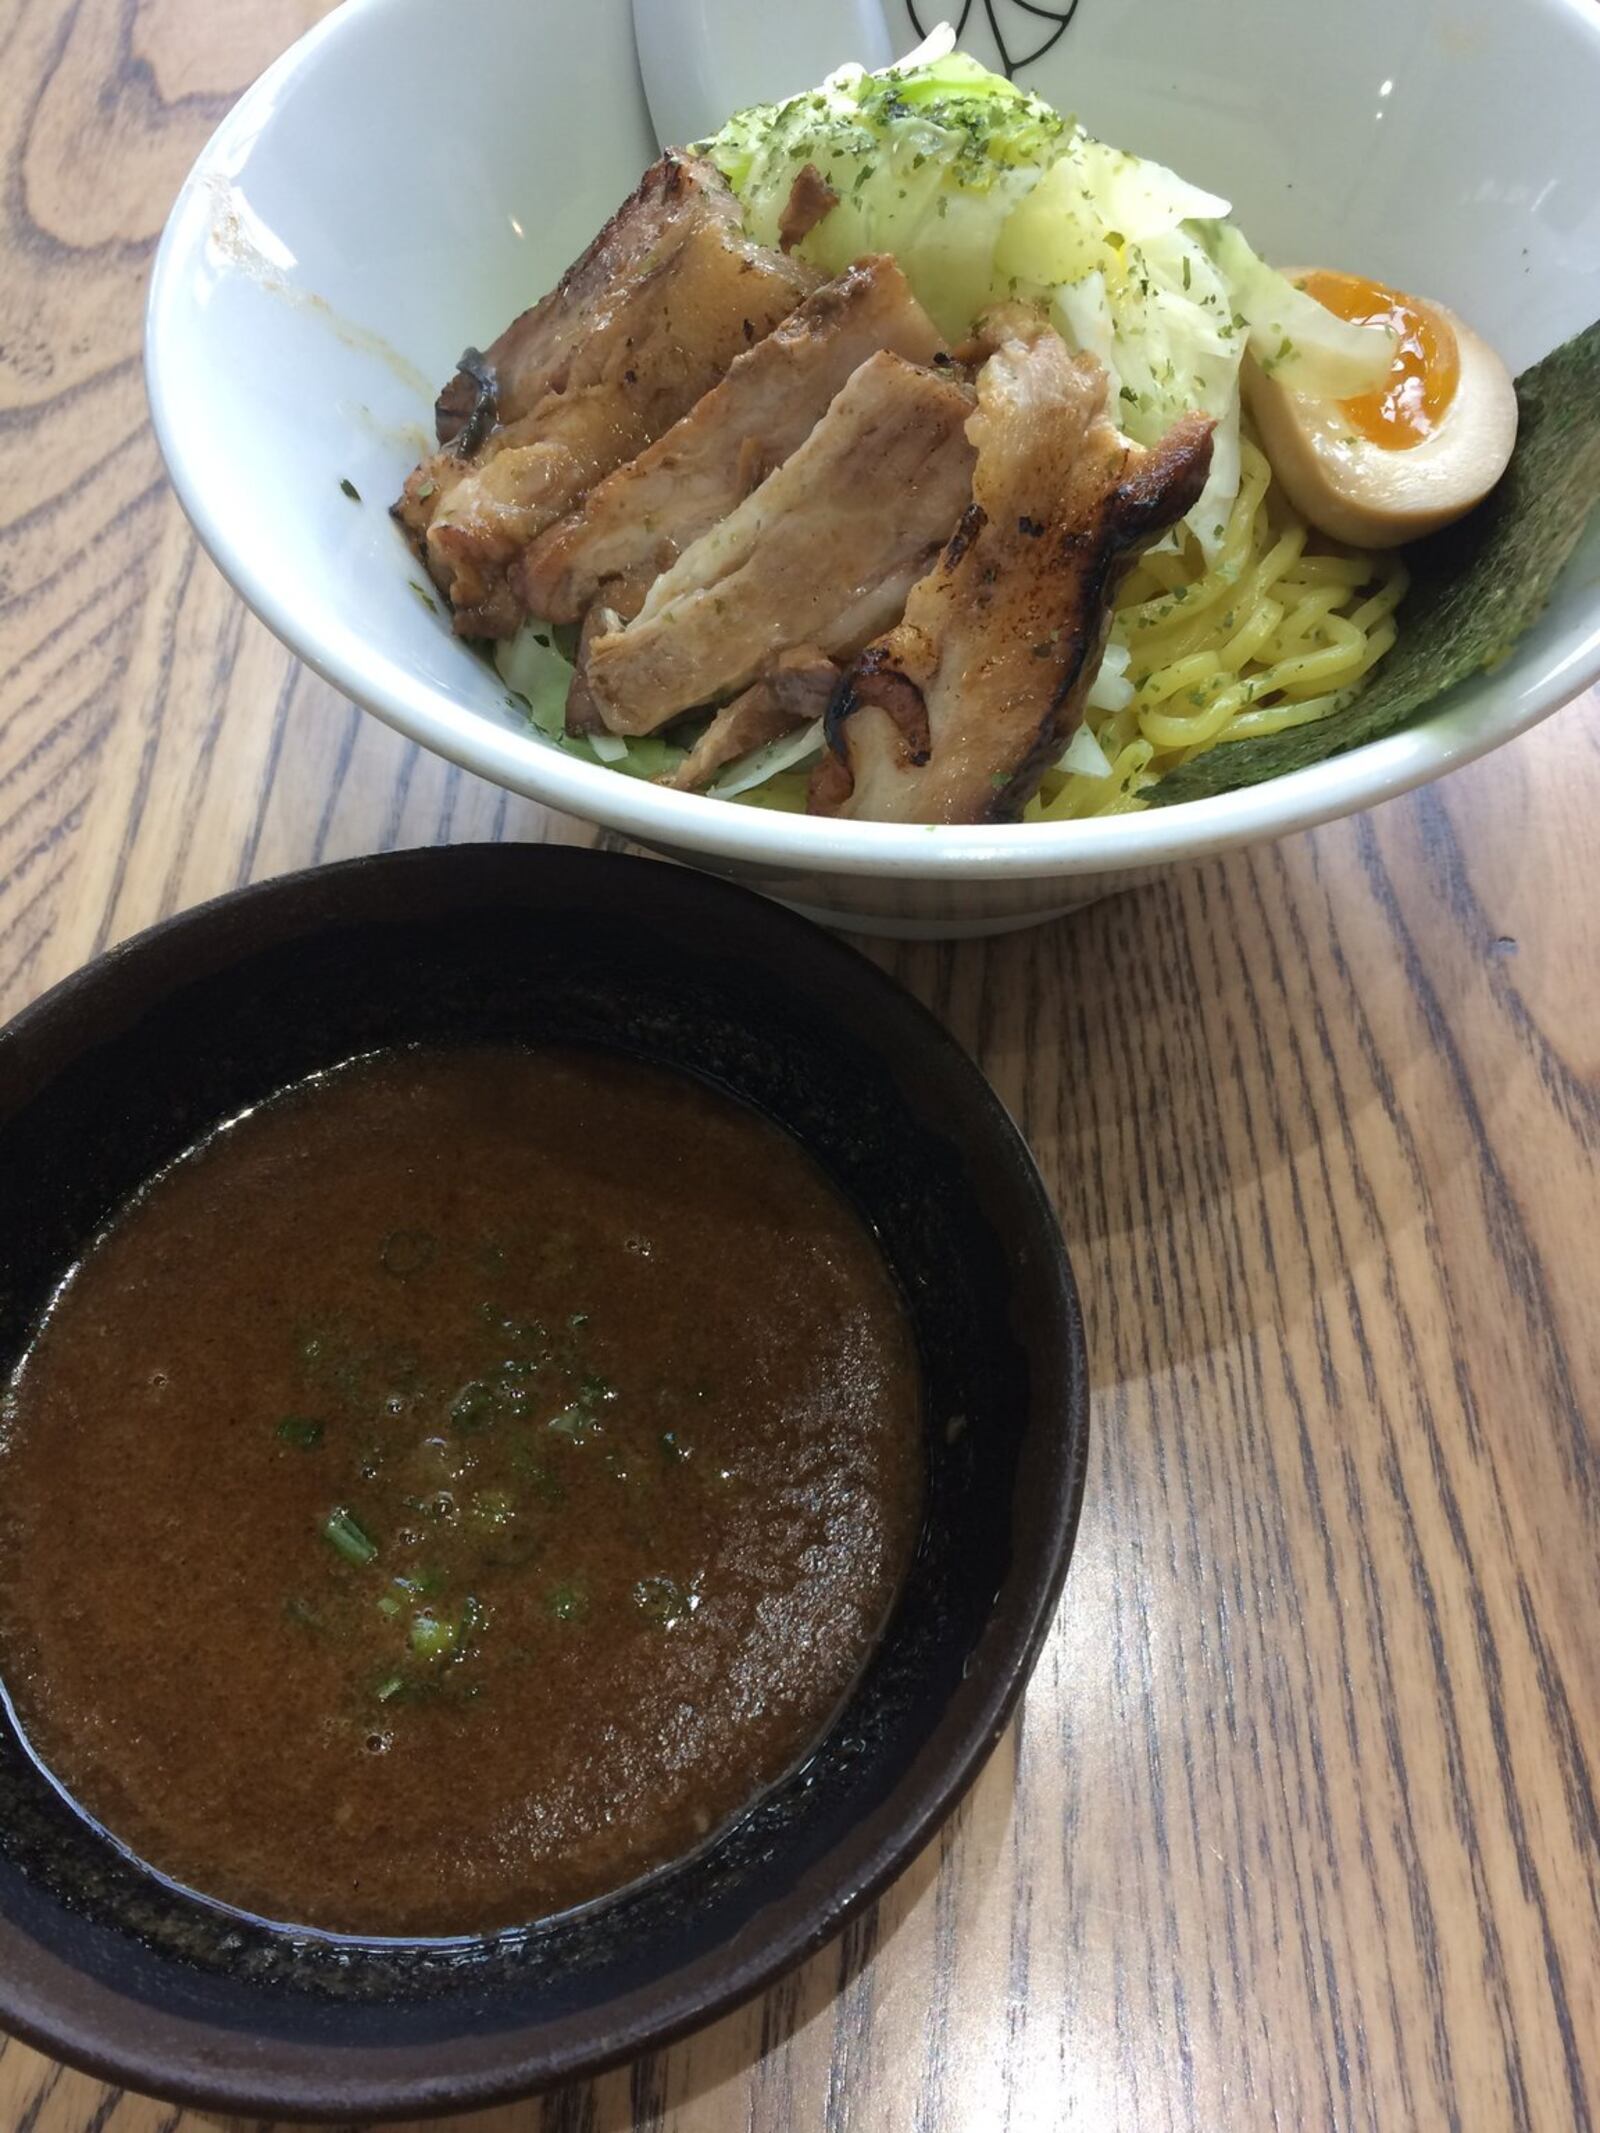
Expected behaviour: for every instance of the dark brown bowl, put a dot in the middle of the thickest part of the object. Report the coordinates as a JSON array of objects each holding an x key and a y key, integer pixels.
[{"x": 127, "y": 1063}]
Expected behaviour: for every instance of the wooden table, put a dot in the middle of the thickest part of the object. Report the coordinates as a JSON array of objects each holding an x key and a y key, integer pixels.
[{"x": 1300, "y": 1825}]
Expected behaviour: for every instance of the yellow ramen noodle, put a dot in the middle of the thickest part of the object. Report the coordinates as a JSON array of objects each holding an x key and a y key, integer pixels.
[{"x": 1278, "y": 631}]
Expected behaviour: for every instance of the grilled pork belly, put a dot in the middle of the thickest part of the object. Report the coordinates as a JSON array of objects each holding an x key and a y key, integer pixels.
[
  {"x": 640, "y": 518},
  {"x": 823, "y": 553},
  {"x": 795, "y": 689},
  {"x": 811, "y": 198},
  {"x": 644, "y": 324},
  {"x": 955, "y": 714}
]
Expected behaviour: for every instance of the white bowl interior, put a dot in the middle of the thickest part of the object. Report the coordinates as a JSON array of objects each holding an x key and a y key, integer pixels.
[{"x": 409, "y": 177}]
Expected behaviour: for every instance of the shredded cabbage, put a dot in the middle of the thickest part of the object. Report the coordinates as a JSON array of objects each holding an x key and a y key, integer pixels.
[
  {"x": 1084, "y": 756},
  {"x": 537, "y": 672},
  {"x": 533, "y": 669},
  {"x": 786, "y": 753},
  {"x": 1111, "y": 689},
  {"x": 983, "y": 193}
]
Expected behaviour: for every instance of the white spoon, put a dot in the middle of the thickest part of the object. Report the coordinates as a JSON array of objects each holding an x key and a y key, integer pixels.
[{"x": 704, "y": 59}]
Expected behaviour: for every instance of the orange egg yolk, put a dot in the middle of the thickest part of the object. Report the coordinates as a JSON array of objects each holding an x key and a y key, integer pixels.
[{"x": 1412, "y": 402}]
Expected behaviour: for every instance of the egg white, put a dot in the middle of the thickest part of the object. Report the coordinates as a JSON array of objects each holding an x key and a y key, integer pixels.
[{"x": 1370, "y": 495}]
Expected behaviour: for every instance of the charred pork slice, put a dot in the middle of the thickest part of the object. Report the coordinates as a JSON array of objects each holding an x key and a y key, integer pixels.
[
  {"x": 822, "y": 554},
  {"x": 795, "y": 690},
  {"x": 956, "y": 713},
  {"x": 644, "y": 324},
  {"x": 637, "y": 521},
  {"x": 811, "y": 200}
]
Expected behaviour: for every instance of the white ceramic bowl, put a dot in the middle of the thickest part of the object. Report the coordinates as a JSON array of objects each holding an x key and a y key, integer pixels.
[{"x": 413, "y": 173}]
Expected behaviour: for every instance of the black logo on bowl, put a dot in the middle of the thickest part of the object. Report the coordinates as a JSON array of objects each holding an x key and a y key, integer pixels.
[{"x": 1017, "y": 27}]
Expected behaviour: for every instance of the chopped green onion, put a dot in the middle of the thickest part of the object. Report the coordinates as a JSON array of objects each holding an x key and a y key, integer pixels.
[
  {"x": 354, "y": 1545},
  {"x": 430, "y": 1637},
  {"x": 568, "y": 1603},
  {"x": 390, "y": 1687},
  {"x": 388, "y": 1605},
  {"x": 301, "y": 1431}
]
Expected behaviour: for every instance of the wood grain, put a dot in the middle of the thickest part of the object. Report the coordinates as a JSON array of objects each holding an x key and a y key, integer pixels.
[{"x": 1300, "y": 1825}]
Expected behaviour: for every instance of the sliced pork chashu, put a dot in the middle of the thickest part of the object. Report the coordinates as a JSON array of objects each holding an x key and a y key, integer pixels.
[
  {"x": 636, "y": 522},
  {"x": 955, "y": 714},
  {"x": 645, "y": 323},
  {"x": 794, "y": 691},
  {"x": 811, "y": 200},
  {"x": 823, "y": 553}
]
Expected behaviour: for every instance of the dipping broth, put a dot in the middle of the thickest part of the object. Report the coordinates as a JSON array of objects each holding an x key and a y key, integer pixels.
[{"x": 454, "y": 1490}]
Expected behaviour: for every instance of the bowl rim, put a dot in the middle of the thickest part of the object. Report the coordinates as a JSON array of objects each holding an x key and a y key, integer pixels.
[
  {"x": 1471, "y": 719},
  {"x": 57, "y": 2008}
]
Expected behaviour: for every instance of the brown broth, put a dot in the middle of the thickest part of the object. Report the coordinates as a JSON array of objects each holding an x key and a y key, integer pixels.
[{"x": 609, "y": 1377}]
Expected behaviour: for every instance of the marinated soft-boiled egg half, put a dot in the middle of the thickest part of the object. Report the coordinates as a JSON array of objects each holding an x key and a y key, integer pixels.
[{"x": 1402, "y": 460}]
